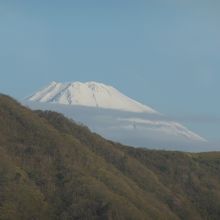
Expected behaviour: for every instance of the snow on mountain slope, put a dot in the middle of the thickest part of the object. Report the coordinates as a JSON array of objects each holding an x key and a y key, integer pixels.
[
  {"x": 115, "y": 116},
  {"x": 91, "y": 94},
  {"x": 130, "y": 128},
  {"x": 168, "y": 127}
]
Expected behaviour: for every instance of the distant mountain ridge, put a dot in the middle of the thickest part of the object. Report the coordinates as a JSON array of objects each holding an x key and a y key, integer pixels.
[
  {"x": 91, "y": 94},
  {"x": 115, "y": 116}
]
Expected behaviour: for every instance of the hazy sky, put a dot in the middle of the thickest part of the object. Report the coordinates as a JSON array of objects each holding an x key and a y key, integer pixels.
[{"x": 165, "y": 54}]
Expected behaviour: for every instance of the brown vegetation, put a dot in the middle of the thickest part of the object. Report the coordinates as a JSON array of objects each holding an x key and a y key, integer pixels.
[{"x": 52, "y": 168}]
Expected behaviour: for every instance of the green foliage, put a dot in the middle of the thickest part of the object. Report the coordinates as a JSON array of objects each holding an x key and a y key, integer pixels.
[{"x": 52, "y": 168}]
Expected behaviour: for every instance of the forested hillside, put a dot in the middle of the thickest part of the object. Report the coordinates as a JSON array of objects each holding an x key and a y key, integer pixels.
[{"x": 53, "y": 168}]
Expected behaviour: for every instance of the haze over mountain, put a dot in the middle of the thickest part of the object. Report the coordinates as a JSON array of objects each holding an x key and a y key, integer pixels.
[{"x": 115, "y": 116}]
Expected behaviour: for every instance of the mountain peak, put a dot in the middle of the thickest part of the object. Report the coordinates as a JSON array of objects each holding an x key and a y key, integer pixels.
[{"x": 92, "y": 94}]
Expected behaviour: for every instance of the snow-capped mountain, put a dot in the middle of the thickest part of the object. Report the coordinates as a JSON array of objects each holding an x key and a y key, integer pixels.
[
  {"x": 91, "y": 94},
  {"x": 115, "y": 116}
]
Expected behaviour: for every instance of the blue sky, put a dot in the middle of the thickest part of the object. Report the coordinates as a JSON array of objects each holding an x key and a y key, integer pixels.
[{"x": 165, "y": 54}]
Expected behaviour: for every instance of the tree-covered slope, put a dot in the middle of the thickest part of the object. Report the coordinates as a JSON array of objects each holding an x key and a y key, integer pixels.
[{"x": 52, "y": 168}]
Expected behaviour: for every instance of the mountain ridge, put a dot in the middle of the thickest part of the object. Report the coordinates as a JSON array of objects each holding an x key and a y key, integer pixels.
[{"x": 52, "y": 168}]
